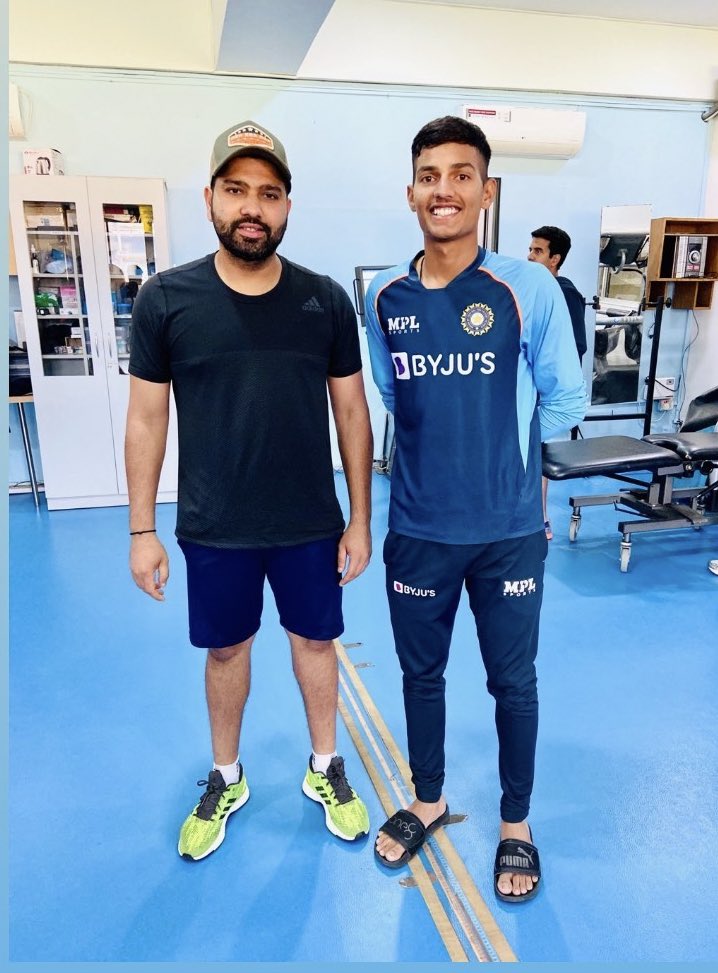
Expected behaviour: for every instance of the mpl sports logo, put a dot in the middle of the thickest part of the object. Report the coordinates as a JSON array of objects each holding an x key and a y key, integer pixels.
[
  {"x": 407, "y": 589},
  {"x": 403, "y": 325},
  {"x": 419, "y": 366},
  {"x": 517, "y": 589}
]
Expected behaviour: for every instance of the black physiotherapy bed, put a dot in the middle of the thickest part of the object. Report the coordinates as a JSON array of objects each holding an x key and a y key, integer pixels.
[{"x": 657, "y": 502}]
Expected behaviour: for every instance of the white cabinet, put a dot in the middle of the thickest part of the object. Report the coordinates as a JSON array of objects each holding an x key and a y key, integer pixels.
[{"x": 84, "y": 247}]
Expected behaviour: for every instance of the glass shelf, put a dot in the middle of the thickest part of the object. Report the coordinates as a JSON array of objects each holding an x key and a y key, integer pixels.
[
  {"x": 50, "y": 231},
  {"x": 68, "y": 273},
  {"x": 61, "y": 313},
  {"x": 59, "y": 289},
  {"x": 130, "y": 260}
]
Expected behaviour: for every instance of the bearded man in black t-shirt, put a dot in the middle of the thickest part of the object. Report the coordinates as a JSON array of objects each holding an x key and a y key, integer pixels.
[{"x": 249, "y": 343}]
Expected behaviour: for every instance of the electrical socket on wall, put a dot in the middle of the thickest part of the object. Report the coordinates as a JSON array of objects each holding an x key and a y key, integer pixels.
[{"x": 664, "y": 388}]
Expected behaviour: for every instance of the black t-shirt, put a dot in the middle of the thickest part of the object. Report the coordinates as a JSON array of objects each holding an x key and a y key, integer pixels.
[
  {"x": 249, "y": 379},
  {"x": 577, "y": 310}
]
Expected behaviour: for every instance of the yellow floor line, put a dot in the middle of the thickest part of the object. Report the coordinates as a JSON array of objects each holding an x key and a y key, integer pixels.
[
  {"x": 400, "y": 800},
  {"x": 466, "y": 883},
  {"x": 388, "y": 772},
  {"x": 436, "y": 909},
  {"x": 462, "y": 916}
]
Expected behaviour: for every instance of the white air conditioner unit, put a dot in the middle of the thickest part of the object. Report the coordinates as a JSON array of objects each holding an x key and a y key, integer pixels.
[{"x": 538, "y": 132}]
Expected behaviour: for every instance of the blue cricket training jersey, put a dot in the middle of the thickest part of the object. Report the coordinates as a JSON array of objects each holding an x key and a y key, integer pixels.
[{"x": 477, "y": 374}]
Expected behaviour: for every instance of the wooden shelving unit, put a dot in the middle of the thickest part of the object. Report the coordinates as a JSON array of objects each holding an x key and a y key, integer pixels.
[{"x": 688, "y": 292}]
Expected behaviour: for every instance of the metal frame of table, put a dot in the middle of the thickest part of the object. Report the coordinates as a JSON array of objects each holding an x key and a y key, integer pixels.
[{"x": 20, "y": 401}]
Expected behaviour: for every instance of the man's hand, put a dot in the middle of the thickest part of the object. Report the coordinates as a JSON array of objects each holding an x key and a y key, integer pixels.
[
  {"x": 354, "y": 552},
  {"x": 149, "y": 565}
]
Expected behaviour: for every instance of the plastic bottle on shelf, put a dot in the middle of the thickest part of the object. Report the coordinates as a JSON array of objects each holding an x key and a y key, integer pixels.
[{"x": 34, "y": 262}]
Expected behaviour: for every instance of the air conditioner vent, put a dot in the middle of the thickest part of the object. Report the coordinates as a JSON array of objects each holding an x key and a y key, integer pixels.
[{"x": 538, "y": 132}]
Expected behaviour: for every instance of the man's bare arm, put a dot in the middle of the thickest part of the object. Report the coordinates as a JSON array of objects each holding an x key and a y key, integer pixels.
[
  {"x": 351, "y": 415},
  {"x": 145, "y": 444}
]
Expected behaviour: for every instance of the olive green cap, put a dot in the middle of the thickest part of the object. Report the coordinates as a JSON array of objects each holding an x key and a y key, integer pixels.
[{"x": 249, "y": 138}]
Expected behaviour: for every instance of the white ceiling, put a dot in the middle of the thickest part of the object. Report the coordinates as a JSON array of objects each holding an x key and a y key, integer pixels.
[
  {"x": 584, "y": 47},
  {"x": 692, "y": 13}
]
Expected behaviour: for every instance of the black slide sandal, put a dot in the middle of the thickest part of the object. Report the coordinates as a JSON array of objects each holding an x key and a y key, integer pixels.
[
  {"x": 408, "y": 830},
  {"x": 514, "y": 857}
]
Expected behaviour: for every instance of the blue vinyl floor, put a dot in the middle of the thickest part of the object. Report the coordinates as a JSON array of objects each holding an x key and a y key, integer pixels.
[{"x": 108, "y": 734}]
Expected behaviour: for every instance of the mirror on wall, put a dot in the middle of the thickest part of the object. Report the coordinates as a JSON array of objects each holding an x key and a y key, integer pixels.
[{"x": 622, "y": 260}]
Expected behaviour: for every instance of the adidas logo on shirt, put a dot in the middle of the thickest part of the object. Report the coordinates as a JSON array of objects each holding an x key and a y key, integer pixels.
[{"x": 312, "y": 305}]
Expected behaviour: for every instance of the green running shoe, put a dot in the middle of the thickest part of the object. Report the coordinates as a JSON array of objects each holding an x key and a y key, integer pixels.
[
  {"x": 345, "y": 814},
  {"x": 203, "y": 831}
]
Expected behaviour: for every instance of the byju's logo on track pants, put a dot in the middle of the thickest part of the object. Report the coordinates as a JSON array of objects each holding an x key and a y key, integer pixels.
[{"x": 406, "y": 589}]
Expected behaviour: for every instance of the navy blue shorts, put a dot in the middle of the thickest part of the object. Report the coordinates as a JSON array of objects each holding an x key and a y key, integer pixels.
[{"x": 225, "y": 588}]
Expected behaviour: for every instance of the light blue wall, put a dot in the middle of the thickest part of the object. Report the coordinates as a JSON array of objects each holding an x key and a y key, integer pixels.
[{"x": 348, "y": 147}]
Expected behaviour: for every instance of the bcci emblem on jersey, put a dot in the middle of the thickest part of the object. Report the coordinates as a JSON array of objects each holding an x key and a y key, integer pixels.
[{"x": 477, "y": 319}]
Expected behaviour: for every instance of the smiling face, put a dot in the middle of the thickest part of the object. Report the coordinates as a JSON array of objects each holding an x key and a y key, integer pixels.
[
  {"x": 248, "y": 207},
  {"x": 449, "y": 191}
]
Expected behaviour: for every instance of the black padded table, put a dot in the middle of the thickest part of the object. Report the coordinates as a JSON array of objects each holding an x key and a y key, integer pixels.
[
  {"x": 692, "y": 447},
  {"x": 604, "y": 455},
  {"x": 657, "y": 503}
]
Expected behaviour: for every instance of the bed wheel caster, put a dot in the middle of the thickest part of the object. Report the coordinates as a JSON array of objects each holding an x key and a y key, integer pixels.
[
  {"x": 573, "y": 527},
  {"x": 625, "y": 555}
]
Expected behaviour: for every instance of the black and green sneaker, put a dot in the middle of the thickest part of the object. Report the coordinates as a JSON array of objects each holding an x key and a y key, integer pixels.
[
  {"x": 203, "y": 831},
  {"x": 345, "y": 814}
]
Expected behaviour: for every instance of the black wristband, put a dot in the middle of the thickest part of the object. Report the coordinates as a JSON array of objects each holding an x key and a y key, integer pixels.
[{"x": 152, "y": 530}]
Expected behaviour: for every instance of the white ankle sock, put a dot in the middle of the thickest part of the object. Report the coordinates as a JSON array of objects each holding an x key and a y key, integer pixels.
[
  {"x": 230, "y": 772},
  {"x": 321, "y": 761}
]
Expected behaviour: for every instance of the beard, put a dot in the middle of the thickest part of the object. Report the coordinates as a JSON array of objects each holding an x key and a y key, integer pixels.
[{"x": 252, "y": 251}]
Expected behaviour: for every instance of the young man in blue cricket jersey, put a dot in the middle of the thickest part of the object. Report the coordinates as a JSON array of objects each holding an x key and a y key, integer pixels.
[{"x": 474, "y": 355}]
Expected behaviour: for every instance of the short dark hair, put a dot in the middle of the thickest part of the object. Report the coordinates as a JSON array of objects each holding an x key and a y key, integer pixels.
[
  {"x": 559, "y": 242},
  {"x": 450, "y": 128}
]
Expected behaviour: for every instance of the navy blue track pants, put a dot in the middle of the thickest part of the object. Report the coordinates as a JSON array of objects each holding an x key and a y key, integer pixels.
[{"x": 504, "y": 582}]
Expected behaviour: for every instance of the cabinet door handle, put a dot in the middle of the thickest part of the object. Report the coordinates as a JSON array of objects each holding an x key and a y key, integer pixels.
[
  {"x": 109, "y": 349},
  {"x": 96, "y": 346}
]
